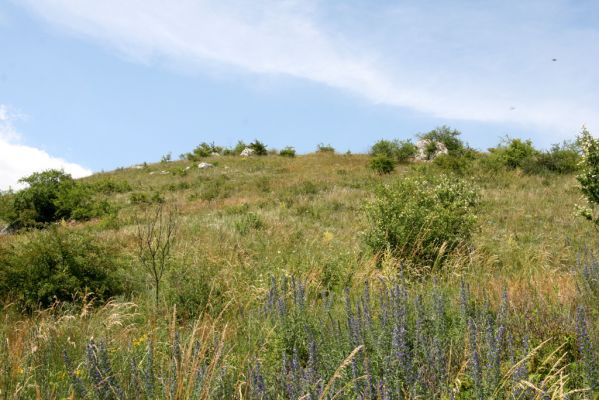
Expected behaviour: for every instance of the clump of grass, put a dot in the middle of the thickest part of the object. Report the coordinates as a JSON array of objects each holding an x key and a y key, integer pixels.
[{"x": 248, "y": 222}]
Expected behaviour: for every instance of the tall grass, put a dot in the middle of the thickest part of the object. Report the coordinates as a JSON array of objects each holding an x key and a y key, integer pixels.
[{"x": 512, "y": 316}]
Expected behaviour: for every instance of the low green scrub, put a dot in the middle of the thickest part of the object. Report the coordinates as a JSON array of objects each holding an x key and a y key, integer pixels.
[
  {"x": 325, "y": 148},
  {"x": 56, "y": 266},
  {"x": 400, "y": 151},
  {"x": 51, "y": 196},
  {"x": 145, "y": 198},
  {"x": 459, "y": 165},
  {"x": 248, "y": 222},
  {"x": 259, "y": 148},
  {"x": 287, "y": 152},
  {"x": 422, "y": 219},
  {"x": 110, "y": 186},
  {"x": 203, "y": 150},
  {"x": 382, "y": 164}
]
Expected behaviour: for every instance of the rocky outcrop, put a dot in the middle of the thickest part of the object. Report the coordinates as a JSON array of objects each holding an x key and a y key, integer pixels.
[{"x": 429, "y": 150}]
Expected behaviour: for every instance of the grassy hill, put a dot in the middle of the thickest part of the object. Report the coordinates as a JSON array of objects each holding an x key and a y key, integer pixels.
[{"x": 271, "y": 292}]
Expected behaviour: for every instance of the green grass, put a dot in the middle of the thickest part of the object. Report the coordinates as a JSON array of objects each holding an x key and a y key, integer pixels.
[{"x": 248, "y": 219}]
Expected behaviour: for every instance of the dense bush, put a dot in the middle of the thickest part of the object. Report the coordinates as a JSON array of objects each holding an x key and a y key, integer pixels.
[
  {"x": 560, "y": 159},
  {"x": 514, "y": 153},
  {"x": 449, "y": 137},
  {"x": 325, "y": 148},
  {"x": 239, "y": 147},
  {"x": 53, "y": 195},
  {"x": 287, "y": 152},
  {"x": 57, "y": 265},
  {"x": 422, "y": 218},
  {"x": 398, "y": 150},
  {"x": 406, "y": 150},
  {"x": 258, "y": 147},
  {"x": 453, "y": 163},
  {"x": 204, "y": 150},
  {"x": 382, "y": 164},
  {"x": 384, "y": 147}
]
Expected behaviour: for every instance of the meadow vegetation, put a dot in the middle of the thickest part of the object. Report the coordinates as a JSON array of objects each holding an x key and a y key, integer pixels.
[{"x": 312, "y": 276}]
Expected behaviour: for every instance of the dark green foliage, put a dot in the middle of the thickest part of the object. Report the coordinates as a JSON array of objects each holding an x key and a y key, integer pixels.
[
  {"x": 6, "y": 206},
  {"x": 325, "y": 148},
  {"x": 166, "y": 158},
  {"x": 452, "y": 163},
  {"x": 57, "y": 265},
  {"x": 400, "y": 151},
  {"x": 203, "y": 150},
  {"x": 145, "y": 198},
  {"x": 560, "y": 159},
  {"x": 287, "y": 152},
  {"x": 53, "y": 195},
  {"x": 422, "y": 218},
  {"x": 514, "y": 153},
  {"x": 449, "y": 137},
  {"x": 259, "y": 148},
  {"x": 382, "y": 164},
  {"x": 239, "y": 147},
  {"x": 406, "y": 150},
  {"x": 383, "y": 147}
]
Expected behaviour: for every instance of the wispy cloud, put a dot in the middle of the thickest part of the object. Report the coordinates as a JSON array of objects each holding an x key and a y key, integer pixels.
[
  {"x": 451, "y": 60},
  {"x": 18, "y": 160}
]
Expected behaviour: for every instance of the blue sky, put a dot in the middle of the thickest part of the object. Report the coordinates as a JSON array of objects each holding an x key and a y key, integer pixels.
[{"x": 91, "y": 85}]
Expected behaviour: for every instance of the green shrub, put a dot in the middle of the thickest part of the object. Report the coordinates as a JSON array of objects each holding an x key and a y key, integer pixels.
[
  {"x": 382, "y": 164},
  {"x": 589, "y": 171},
  {"x": 144, "y": 198},
  {"x": 248, "y": 222},
  {"x": 258, "y": 147},
  {"x": 79, "y": 204},
  {"x": 453, "y": 163},
  {"x": 239, "y": 147},
  {"x": 215, "y": 189},
  {"x": 166, "y": 158},
  {"x": 399, "y": 150},
  {"x": 449, "y": 137},
  {"x": 325, "y": 148},
  {"x": 560, "y": 159},
  {"x": 287, "y": 152},
  {"x": 386, "y": 148},
  {"x": 514, "y": 153},
  {"x": 421, "y": 219},
  {"x": 57, "y": 265},
  {"x": 406, "y": 150},
  {"x": 203, "y": 150},
  {"x": 53, "y": 195}
]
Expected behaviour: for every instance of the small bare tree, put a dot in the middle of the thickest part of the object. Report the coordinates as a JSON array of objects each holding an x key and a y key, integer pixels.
[{"x": 155, "y": 237}]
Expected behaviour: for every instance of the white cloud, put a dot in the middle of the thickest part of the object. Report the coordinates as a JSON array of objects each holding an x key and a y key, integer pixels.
[
  {"x": 451, "y": 60},
  {"x": 19, "y": 160}
]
